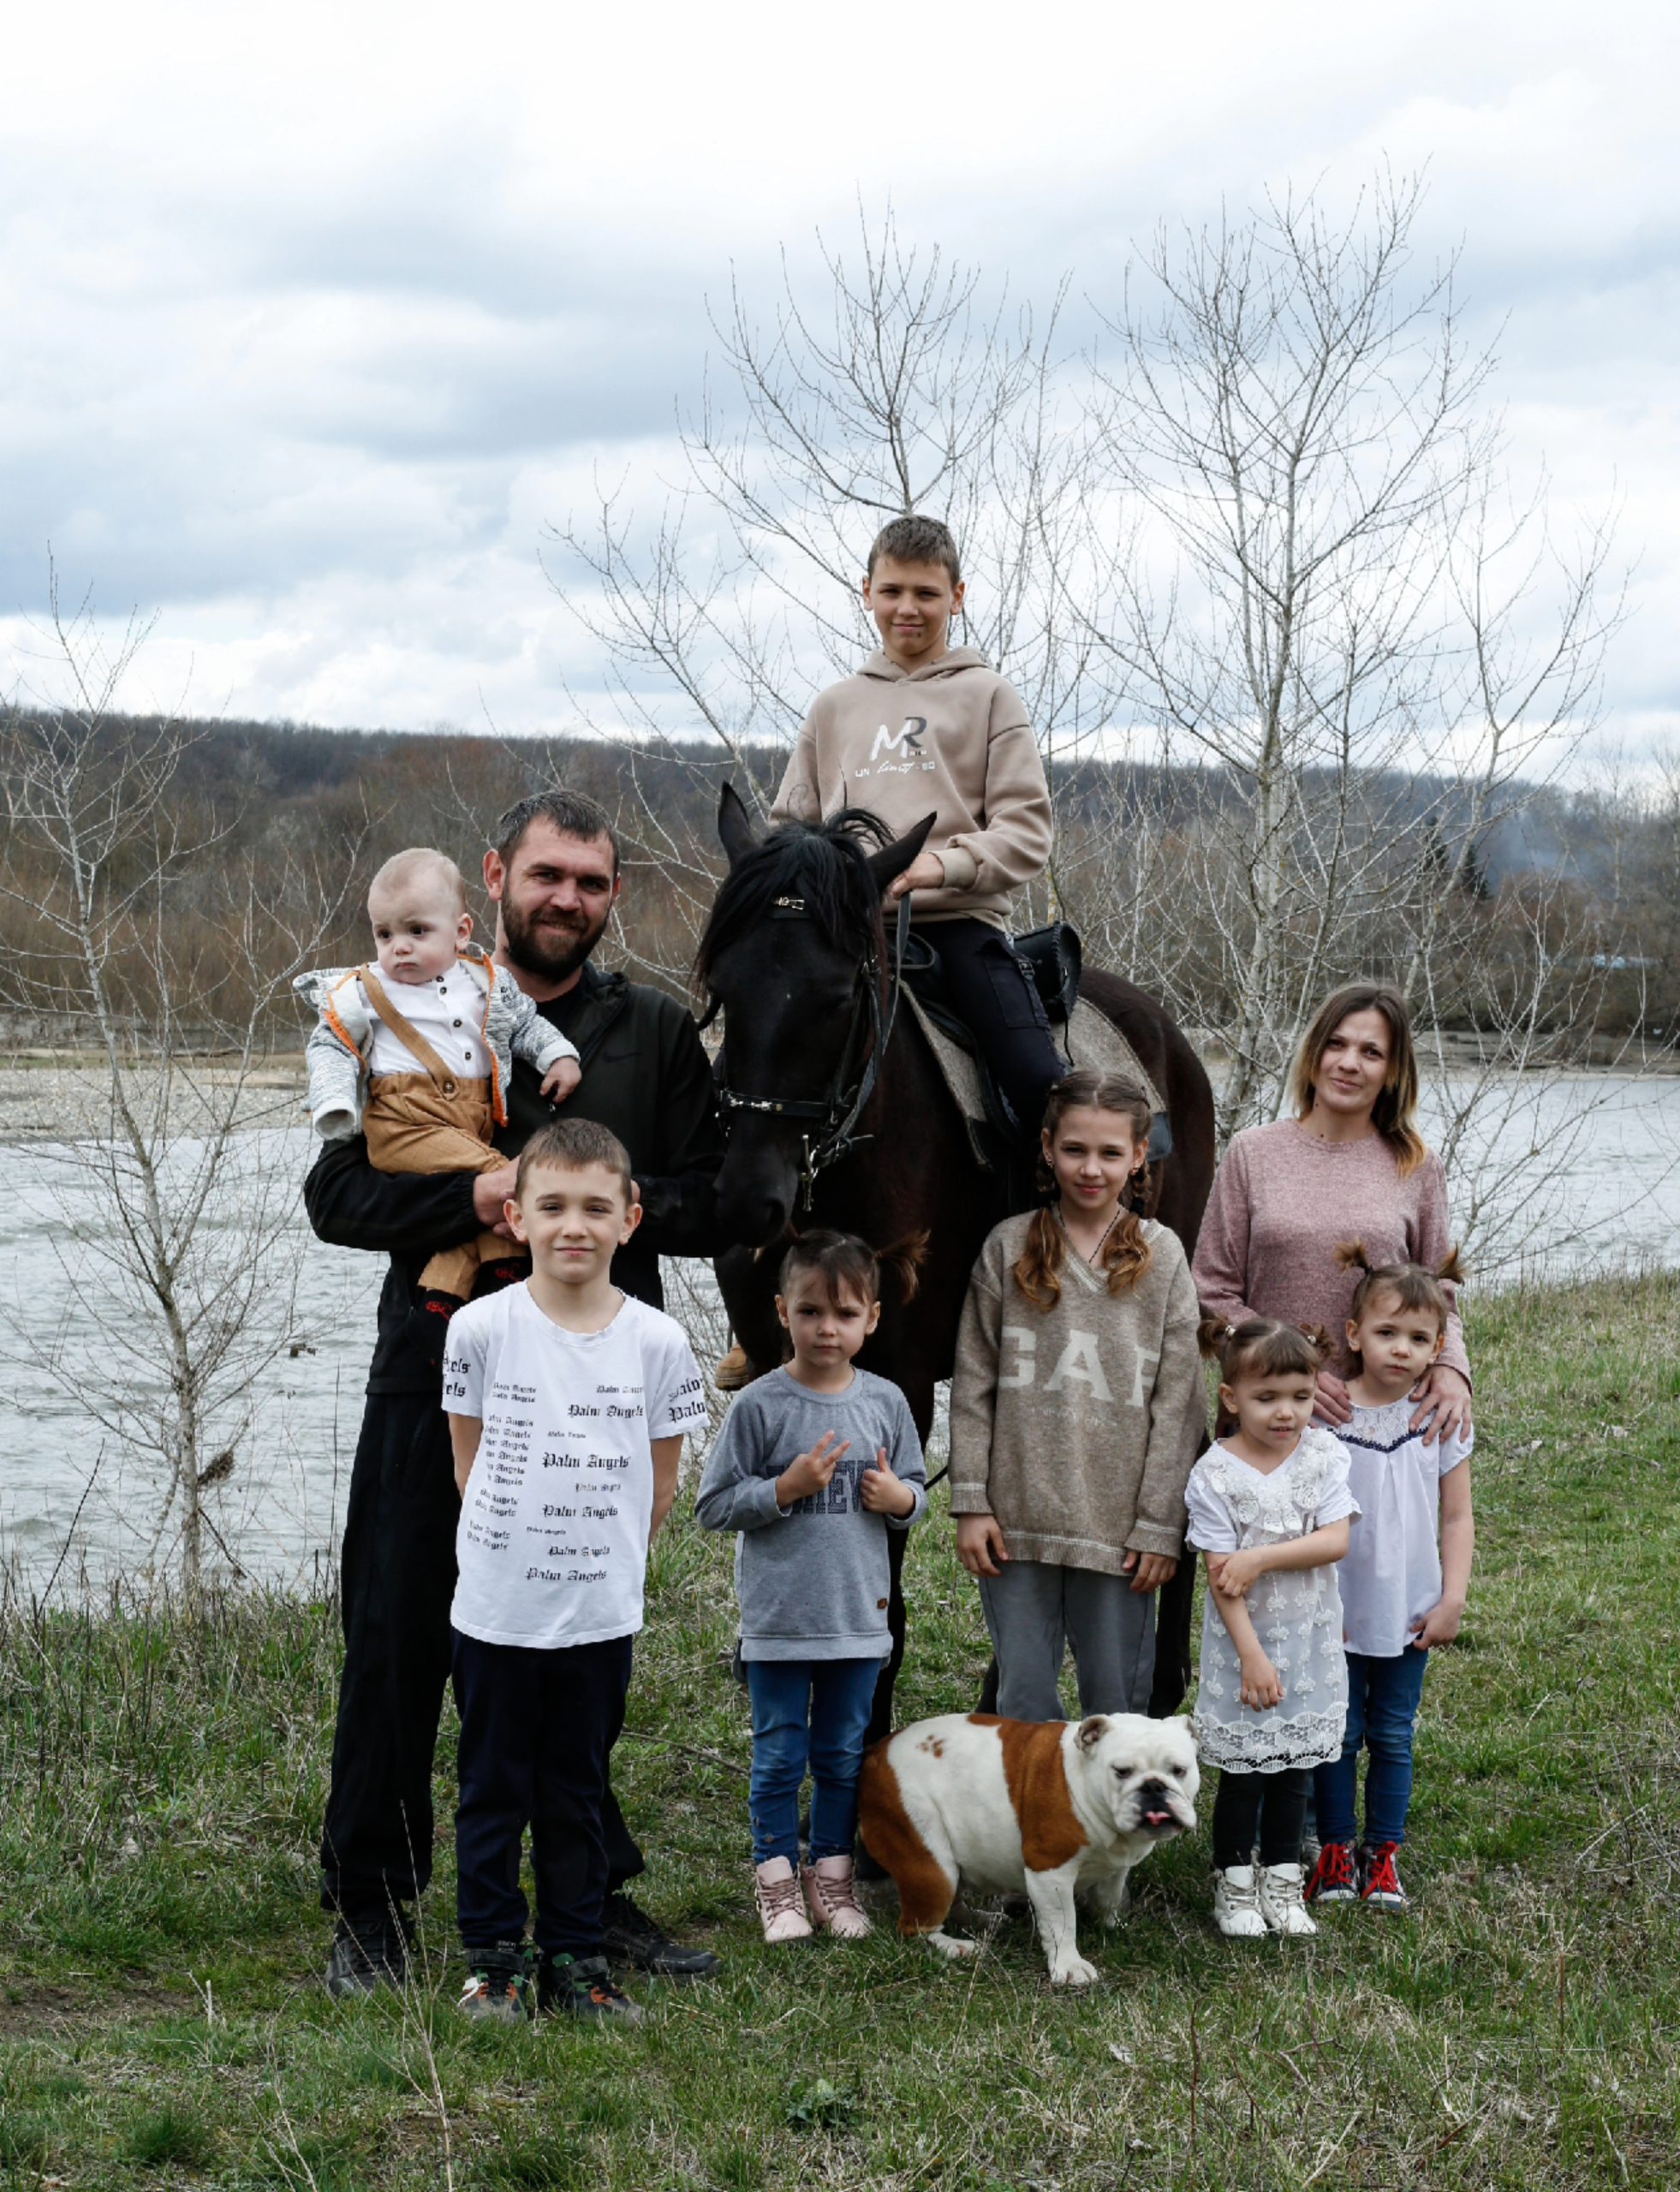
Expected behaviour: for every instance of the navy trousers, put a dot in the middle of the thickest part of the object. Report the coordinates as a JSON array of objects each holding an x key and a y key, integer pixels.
[
  {"x": 993, "y": 991},
  {"x": 537, "y": 1730}
]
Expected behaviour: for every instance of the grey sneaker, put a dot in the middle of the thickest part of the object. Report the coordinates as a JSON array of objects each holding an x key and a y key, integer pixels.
[
  {"x": 498, "y": 1984},
  {"x": 369, "y": 1949},
  {"x": 581, "y": 1986}
]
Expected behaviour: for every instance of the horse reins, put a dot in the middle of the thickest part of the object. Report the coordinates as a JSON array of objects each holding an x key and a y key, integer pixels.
[{"x": 836, "y": 1115}]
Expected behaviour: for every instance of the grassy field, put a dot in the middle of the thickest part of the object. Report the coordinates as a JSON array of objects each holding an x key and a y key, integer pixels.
[{"x": 161, "y": 2022}]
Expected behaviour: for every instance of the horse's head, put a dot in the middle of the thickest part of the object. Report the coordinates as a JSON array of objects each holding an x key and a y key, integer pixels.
[{"x": 794, "y": 940}]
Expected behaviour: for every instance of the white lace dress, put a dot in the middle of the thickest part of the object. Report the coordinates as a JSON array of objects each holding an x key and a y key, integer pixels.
[{"x": 1297, "y": 1615}]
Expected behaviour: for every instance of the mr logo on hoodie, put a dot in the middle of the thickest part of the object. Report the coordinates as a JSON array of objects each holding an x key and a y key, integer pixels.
[
  {"x": 969, "y": 754},
  {"x": 905, "y": 741}
]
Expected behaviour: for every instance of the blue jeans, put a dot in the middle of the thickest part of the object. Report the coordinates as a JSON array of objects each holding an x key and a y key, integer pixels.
[
  {"x": 814, "y": 1712},
  {"x": 1383, "y": 1698}
]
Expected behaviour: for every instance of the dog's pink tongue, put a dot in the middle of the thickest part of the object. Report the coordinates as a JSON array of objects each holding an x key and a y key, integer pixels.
[{"x": 1157, "y": 1819}]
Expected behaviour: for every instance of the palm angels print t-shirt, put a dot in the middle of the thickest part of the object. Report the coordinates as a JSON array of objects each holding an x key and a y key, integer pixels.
[{"x": 553, "y": 1542}]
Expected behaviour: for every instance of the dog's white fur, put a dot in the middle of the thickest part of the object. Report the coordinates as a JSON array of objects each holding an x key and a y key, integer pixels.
[{"x": 1090, "y": 1799}]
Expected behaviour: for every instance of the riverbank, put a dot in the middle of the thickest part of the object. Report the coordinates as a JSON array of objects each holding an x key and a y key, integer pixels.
[{"x": 161, "y": 2023}]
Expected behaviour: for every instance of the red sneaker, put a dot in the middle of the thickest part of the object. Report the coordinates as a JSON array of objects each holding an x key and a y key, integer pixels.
[
  {"x": 1379, "y": 1878},
  {"x": 1333, "y": 1880}
]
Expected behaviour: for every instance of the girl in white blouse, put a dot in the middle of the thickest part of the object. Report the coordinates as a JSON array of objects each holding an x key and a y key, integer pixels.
[
  {"x": 1405, "y": 1578},
  {"x": 1269, "y": 1507}
]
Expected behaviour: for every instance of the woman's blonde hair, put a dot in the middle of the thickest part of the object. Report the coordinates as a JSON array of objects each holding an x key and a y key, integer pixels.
[
  {"x": 1395, "y": 1113},
  {"x": 1126, "y": 1252}
]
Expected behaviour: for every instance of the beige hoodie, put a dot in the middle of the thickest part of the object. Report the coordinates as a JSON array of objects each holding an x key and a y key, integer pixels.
[{"x": 952, "y": 737}]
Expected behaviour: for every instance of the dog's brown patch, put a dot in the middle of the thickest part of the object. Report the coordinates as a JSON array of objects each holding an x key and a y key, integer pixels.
[
  {"x": 925, "y": 1890},
  {"x": 1050, "y": 1834}
]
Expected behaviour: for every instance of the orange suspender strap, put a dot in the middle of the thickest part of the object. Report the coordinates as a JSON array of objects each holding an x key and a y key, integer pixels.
[
  {"x": 409, "y": 1037},
  {"x": 498, "y": 1107}
]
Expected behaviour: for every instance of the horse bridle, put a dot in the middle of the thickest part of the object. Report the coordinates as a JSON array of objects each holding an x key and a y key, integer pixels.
[{"x": 830, "y": 1135}]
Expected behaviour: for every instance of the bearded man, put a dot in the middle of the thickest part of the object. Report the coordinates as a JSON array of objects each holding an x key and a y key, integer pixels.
[{"x": 554, "y": 876}]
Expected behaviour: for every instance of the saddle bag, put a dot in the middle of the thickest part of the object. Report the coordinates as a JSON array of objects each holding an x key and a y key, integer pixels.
[{"x": 1057, "y": 960}]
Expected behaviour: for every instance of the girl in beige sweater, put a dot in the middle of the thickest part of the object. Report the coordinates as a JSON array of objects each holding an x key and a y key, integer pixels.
[{"x": 1077, "y": 1405}]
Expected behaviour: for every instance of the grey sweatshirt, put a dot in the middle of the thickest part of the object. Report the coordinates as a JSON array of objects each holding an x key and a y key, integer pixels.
[
  {"x": 1078, "y": 1425},
  {"x": 812, "y": 1578},
  {"x": 953, "y": 739}
]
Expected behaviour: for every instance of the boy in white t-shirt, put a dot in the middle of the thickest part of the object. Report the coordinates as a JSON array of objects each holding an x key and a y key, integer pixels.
[{"x": 567, "y": 1402}]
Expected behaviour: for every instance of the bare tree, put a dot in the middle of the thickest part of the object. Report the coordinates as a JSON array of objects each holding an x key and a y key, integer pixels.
[
  {"x": 1300, "y": 659},
  {"x": 1326, "y": 598},
  {"x": 895, "y": 381},
  {"x": 175, "y": 1227}
]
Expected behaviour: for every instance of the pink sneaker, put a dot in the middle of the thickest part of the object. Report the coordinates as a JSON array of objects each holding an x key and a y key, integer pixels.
[
  {"x": 781, "y": 1905},
  {"x": 832, "y": 1895}
]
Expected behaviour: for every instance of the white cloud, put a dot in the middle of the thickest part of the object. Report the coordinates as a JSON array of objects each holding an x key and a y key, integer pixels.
[{"x": 315, "y": 316}]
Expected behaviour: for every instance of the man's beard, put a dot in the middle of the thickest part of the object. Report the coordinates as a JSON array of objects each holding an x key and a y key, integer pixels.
[{"x": 551, "y": 946}]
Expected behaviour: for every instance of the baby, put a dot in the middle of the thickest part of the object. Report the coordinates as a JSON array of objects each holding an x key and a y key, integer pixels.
[{"x": 425, "y": 1078}]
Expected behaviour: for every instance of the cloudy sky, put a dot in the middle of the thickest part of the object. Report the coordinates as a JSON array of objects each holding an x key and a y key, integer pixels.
[{"x": 315, "y": 318}]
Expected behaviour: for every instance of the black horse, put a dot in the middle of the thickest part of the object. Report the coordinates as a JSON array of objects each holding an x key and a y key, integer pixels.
[{"x": 837, "y": 1115}]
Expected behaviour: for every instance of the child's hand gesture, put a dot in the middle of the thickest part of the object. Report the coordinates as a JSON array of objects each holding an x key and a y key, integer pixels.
[
  {"x": 562, "y": 1077},
  {"x": 979, "y": 1544},
  {"x": 1234, "y": 1575},
  {"x": 809, "y": 1473},
  {"x": 883, "y": 1493},
  {"x": 1262, "y": 1687}
]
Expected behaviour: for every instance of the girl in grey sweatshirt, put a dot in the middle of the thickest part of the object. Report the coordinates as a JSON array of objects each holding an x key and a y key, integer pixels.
[
  {"x": 815, "y": 1464},
  {"x": 1077, "y": 1405}
]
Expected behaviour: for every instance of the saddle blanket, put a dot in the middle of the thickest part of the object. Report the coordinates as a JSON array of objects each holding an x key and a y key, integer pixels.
[{"x": 1089, "y": 1038}]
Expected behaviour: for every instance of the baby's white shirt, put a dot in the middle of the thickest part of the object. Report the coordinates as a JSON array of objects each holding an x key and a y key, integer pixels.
[{"x": 447, "y": 1010}]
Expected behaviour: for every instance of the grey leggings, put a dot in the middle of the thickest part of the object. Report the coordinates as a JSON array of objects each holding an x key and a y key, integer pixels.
[{"x": 1035, "y": 1608}]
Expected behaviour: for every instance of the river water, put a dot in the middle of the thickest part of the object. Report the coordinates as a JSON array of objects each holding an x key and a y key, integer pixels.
[{"x": 1588, "y": 1173}]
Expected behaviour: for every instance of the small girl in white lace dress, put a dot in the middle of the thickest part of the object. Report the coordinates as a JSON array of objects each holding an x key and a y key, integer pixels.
[{"x": 1270, "y": 1507}]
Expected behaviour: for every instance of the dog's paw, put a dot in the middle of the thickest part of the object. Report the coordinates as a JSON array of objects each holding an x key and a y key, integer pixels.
[
  {"x": 1074, "y": 1971},
  {"x": 949, "y": 1945}
]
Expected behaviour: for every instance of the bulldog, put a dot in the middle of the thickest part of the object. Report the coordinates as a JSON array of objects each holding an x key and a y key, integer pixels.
[{"x": 1061, "y": 1807}]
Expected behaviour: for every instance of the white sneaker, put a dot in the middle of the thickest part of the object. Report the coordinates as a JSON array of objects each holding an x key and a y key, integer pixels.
[
  {"x": 1236, "y": 1907},
  {"x": 781, "y": 1905},
  {"x": 831, "y": 1892},
  {"x": 1283, "y": 1904}
]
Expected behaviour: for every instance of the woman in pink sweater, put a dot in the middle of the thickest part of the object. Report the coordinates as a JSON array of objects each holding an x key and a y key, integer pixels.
[{"x": 1349, "y": 1166}]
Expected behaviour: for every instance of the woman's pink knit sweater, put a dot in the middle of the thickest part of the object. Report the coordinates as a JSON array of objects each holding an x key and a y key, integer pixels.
[{"x": 1283, "y": 1201}]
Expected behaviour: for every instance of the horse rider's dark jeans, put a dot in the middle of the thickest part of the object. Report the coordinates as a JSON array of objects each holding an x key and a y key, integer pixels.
[{"x": 991, "y": 990}]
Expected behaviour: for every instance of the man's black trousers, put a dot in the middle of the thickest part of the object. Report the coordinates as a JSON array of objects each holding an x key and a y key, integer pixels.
[
  {"x": 537, "y": 1730},
  {"x": 397, "y": 1579}
]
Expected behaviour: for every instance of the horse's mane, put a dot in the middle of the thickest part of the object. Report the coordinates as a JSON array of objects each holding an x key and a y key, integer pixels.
[{"x": 825, "y": 863}]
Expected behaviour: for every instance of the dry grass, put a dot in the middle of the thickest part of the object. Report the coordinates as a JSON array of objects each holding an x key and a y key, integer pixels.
[{"x": 162, "y": 2024}]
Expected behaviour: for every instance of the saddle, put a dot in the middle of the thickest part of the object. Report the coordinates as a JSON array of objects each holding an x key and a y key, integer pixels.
[{"x": 1085, "y": 1036}]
